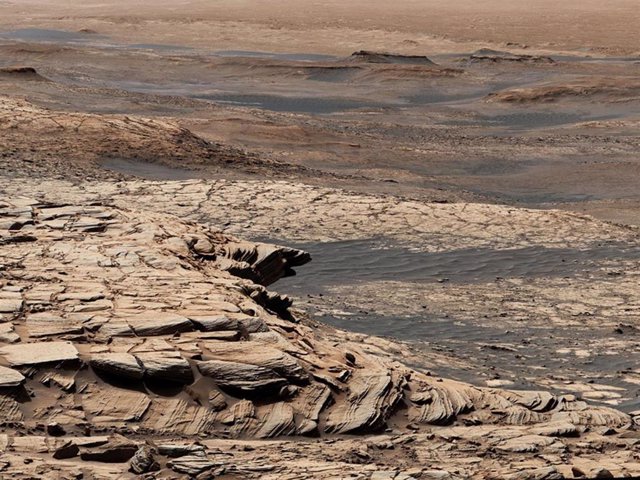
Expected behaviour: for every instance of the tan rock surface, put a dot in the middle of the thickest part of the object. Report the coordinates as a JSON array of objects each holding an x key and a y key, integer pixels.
[{"x": 316, "y": 383}]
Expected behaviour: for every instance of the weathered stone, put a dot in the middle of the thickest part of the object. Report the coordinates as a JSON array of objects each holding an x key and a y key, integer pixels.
[
  {"x": 10, "y": 305},
  {"x": 10, "y": 377},
  {"x": 602, "y": 473},
  {"x": 371, "y": 399},
  {"x": 557, "y": 429},
  {"x": 120, "y": 365},
  {"x": 177, "y": 416},
  {"x": 168, "y": 366},
  {"x": 217, "y": 401},
  {"x": 55, "y": 429},
  {"x": 67, "y": 450},
  {"x": 114, "y": 406},
  {"x": 118, "y": 450},
  {"x": 526, "y": 443},
  {"x": 214, "y": 323},
  {"x": 259, "y": 355},
  {"x": 442, "y": 403},
  {"x": 143, "y": 461},
  {"x": 64, "y": 379},
  {"x": 192, "y": 464},
  {"x": 265, "y": 373},
  {"x": 241, "y": 376},
  {"x": 9, "y": 409},
  {"x": 158, "y": 323},
  {"x": 309, "y": 403},
  {"x": 8, "y": 333},
  {"x": 176, "y": 450},
  {"x": 48, "y": 325},
  {"x": 544, "y": 473},
  {"x": 277, "y": 421},
  {"x": 37, "y": 353}
]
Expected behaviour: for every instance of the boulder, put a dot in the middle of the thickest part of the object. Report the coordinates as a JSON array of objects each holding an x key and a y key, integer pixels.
[
  {"x": 67, "y": 450},
  {"x": 117, "y": 450}
]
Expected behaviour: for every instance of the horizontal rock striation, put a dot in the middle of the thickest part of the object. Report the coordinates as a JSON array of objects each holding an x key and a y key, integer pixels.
[
  {"x": 366, "y": 56},
  {"x": 496, "y": 56}
]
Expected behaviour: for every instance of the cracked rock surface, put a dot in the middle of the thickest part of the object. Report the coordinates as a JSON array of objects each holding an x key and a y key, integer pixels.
[{"x": 144, "y": 342}]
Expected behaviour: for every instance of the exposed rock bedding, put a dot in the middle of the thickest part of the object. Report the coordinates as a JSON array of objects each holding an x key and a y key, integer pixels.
[
  {"x": 47, "y": 142},
  {"x": 154, "y": 333},
  {"x": 302, "y": 213},
  {"x": 595, "y": 89},
  {"x": 384, "y": 57},
  {"x": 496, "y": 56}
]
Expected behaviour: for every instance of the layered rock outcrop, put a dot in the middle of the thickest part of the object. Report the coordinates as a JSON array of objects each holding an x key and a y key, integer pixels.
[{"x": 133, "y": 329}]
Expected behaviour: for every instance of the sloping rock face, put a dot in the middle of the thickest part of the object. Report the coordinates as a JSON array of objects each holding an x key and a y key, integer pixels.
[
  {"x": 21, "y": 73},
  {"x": 74, "y": 143},
  {"x": 137, "y": 328}
]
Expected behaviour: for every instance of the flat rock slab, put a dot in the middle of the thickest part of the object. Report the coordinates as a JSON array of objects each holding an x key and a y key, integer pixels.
[
  {"x": 118, "y": 450},
  {"x": 168, "y": 366},
  {"x": 39, "y": 352},
  {"x": 159, "y": 323},
  {"x": 114, "y": 406},
  {"x": 9, "y": 377},
  {"x": 10, "y": 305},
  {"x": 47, "y": 325},
  {"x": 241, "y": 376},
  {"x": 192, "y": 464},
  {"x": 214, "y": 323},
  {"x": 123, "y": 365}
]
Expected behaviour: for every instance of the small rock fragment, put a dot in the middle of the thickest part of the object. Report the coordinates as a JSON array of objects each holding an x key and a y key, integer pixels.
[
  {"x": 118, "y": 450},
  {"x": 55, "y": 429},
  {"x": 143, "y": 461},
  {"x": 68, "y": 450}
]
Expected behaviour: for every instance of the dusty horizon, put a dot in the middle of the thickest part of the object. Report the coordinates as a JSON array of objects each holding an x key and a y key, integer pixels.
[{"x": 585, "y": 26}]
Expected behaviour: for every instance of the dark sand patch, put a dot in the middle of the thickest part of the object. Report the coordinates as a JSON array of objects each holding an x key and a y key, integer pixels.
[
  {"x": 352, "y": 261},
  {"x": 309, "y": 105},
  {"x": 147, "y": 170}
]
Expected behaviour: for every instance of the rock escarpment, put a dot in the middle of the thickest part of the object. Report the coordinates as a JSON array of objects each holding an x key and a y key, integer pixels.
[
  {"x": 495, "y": 56},
  {"x": 365, "y": 56},
  {"x": 20, "y": 73},
  {"x": 135, "y": 342}
]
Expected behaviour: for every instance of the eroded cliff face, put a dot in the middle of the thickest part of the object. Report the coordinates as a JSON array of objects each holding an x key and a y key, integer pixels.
[{"x": 134, "y": 341}]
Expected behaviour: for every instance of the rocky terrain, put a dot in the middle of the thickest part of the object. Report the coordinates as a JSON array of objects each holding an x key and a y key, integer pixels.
[
  {"x": 138, "y": 342},
  {"x": 319, "y": 241},
  {"x": 138, "y": 337}
]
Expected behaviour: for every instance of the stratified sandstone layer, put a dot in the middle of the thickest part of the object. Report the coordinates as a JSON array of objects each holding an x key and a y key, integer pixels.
[{"x": 135, "y": 341}]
